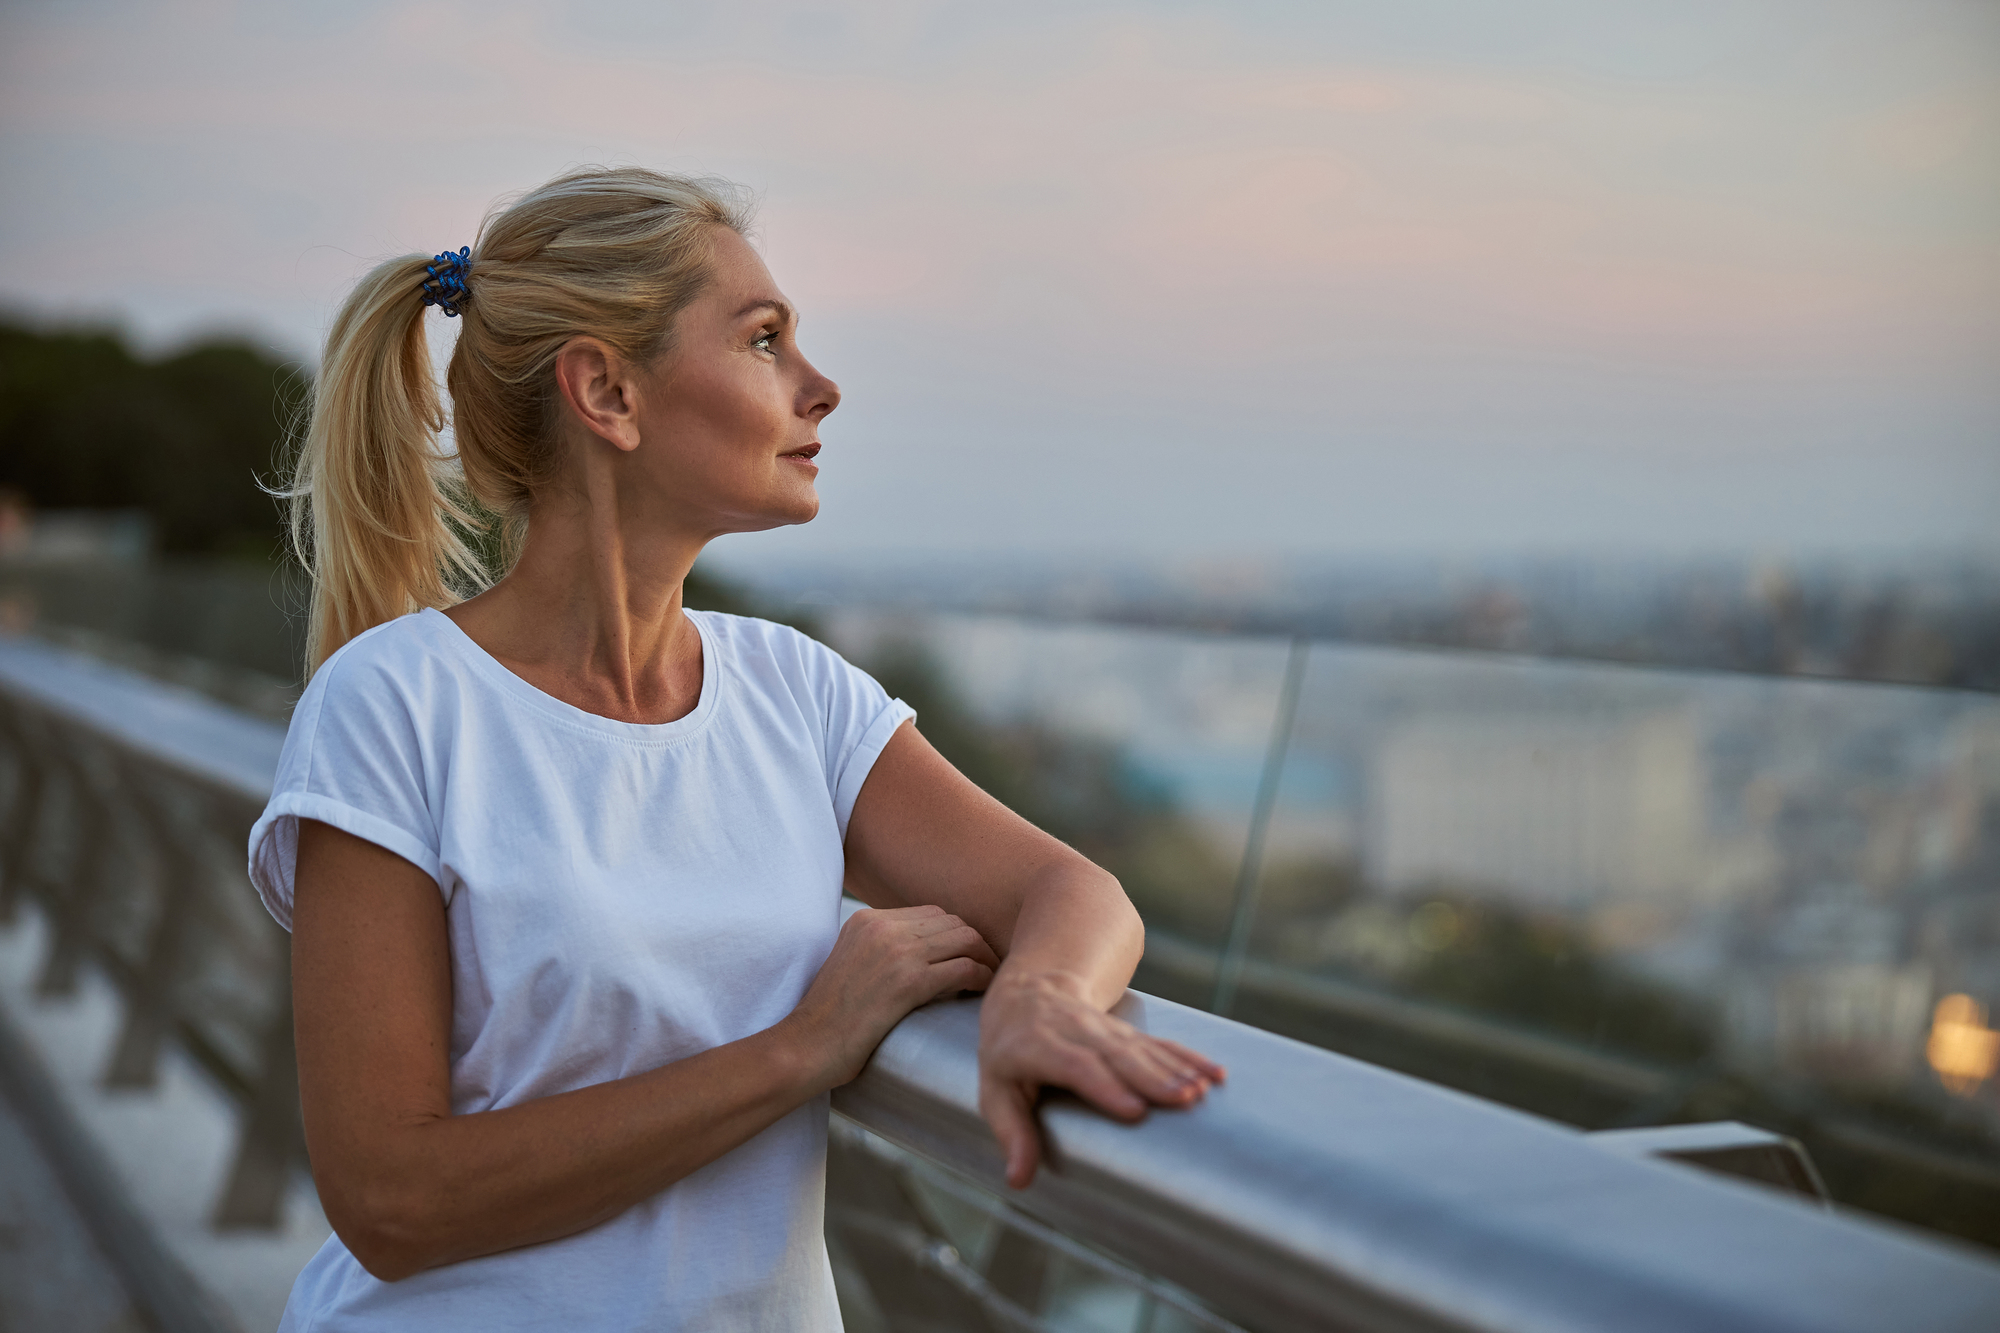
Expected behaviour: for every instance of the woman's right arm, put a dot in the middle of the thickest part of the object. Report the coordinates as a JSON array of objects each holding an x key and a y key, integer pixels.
[{"x": 408, "y": 1185}]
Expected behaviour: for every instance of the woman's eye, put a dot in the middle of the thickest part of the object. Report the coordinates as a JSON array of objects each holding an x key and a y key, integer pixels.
[{"x": 765, "y": 342}]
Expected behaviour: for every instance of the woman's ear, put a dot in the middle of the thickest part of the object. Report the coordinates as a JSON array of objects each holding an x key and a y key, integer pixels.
[{"x": 598, "y": 386}]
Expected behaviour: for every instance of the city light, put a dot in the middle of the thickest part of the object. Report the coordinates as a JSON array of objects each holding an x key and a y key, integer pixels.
[{"x": 1963, "y": 1050}]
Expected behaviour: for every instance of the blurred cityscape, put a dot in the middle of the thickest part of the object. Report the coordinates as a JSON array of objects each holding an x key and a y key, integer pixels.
[{"x": 1921, "y": 619}]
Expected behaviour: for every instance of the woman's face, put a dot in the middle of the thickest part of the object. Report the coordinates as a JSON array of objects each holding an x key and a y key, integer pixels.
[{"x": 729, "y": 426}]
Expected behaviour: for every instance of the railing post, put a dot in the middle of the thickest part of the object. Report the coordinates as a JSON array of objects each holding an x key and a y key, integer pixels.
[
  {"x": 268, "y": 1144},
  {"x": 150, "y": 999},
  {"x": 24, "y": 814},
  {"x": 70, "y": 916},
  {"x": 1229, "y": 970}
]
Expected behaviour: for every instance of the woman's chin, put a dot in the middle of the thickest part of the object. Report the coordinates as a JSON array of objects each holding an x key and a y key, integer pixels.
[
  {"x": 802, "y": 506},
  {"x": 791, "y": 513}
]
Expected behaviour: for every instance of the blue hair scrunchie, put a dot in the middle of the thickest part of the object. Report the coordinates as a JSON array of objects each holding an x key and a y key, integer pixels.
[{"x": 445, "y": 287}]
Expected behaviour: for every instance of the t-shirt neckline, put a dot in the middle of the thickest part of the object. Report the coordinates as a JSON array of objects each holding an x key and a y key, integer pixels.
[{"x": 446, "y": 631}]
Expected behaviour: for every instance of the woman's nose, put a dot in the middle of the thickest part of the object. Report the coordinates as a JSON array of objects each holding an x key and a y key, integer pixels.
[{"x": 822, "y": 395}]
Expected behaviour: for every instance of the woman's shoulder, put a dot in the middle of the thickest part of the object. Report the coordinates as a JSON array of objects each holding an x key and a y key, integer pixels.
[
  {"x": 395, "y": 648},
  {"x": 757, "y": 647},
  {"x": 754, "y": 635},
  {"x": 394, "y": 666}
]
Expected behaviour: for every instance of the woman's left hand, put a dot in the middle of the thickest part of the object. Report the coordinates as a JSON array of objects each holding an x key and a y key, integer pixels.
[{"x": 1041, "y": 1029}]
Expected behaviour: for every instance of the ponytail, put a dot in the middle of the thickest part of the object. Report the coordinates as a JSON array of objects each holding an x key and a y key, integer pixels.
[
  {"x": 381, "y": 517},
  {"x": 377, "y": 510}
]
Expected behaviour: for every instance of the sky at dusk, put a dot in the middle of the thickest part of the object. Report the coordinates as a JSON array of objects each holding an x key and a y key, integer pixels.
[{"x": 1151, "y": 279}]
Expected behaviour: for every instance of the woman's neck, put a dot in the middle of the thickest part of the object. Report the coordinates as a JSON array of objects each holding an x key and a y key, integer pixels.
[{"x": 591, "y": 611}]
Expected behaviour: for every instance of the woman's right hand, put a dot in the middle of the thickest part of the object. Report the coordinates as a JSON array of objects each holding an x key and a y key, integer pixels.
[{"x": 884, "y": 964}]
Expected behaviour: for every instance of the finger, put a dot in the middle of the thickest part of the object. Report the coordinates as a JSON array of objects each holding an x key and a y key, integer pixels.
[
  {"x": 1149, "y": 1071},
  {"x": 961, "y": 942},
  {"x": 960, "y": 974},
  {"x": 1087, "y": 1074},
  {"x": 1208, "y": 1069},
  {"x": 982, "y": 951},
  {"x": 940, "y": 920},
  {"x": 1164, "y": 1073},
  {"x": 1203, "y": 1073},
  {"x": 945, "y": 941},
  {"x": 1156, "y": 1073},
  {"x": 1011, "y": 1114},
  {"x": 958, "y": 934}
]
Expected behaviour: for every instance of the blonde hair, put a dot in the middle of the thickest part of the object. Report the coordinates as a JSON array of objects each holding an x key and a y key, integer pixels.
[{"x": 384, "y": 520}]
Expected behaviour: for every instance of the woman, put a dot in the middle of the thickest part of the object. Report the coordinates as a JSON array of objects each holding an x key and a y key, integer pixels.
[{"x": 562, "y": 861}]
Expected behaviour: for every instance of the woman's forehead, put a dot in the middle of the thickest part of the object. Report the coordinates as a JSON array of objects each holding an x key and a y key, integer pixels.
[{"x": 740, "y": 277}]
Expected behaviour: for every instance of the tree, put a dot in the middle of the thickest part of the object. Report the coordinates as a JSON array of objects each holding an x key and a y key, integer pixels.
[{"x": 86, "y": 424}]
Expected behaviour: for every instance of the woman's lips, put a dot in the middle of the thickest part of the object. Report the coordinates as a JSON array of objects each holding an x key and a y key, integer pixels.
[{"x": 805, "y": 455}]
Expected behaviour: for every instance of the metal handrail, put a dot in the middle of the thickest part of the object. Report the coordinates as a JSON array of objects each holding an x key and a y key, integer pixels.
[
  {"x": 1314, "y": 1191},
  {"x": 1311, "y": 1191}
]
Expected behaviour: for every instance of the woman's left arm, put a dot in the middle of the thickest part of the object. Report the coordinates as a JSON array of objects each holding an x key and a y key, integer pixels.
[{"x": 922, "y": 833}]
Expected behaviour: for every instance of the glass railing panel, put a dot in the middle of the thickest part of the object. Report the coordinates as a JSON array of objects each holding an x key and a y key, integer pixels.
[
  {"x": 1610, "y": 895},
  {"x": 915, "y": 1245}
]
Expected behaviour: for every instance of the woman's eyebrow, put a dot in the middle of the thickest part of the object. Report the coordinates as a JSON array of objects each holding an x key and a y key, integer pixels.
[{"x": 785, "y": 312}]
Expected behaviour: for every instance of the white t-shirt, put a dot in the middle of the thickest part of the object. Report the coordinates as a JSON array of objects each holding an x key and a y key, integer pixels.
[{"x": 618, "y": 896}]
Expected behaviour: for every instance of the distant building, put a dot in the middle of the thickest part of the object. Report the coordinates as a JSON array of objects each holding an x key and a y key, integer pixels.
[
  {"x": 1555, "y": 809},
  {"x": 1860, "y": 1024}
]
